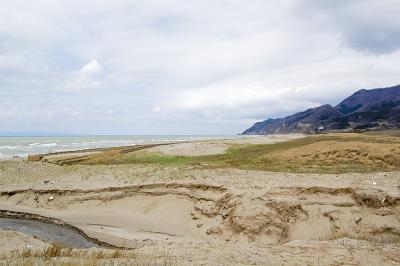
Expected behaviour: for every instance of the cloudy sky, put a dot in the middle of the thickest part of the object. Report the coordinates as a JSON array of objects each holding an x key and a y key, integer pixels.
[{"x": 186, "y": 67}]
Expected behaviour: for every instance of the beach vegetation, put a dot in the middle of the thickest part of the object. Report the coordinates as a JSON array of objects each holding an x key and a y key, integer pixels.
[{"x": 325, "y": 153}]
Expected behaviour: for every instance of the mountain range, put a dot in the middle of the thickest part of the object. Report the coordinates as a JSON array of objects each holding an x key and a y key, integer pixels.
[{"x": 374, "y": 109}]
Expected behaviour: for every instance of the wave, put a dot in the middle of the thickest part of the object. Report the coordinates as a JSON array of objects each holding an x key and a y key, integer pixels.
[
  {"x": 9, "y": 147},
  {"x": 34, "y": 144},
  {"x": 49, "y": 145},
  {"x": 22, "y": 147}
]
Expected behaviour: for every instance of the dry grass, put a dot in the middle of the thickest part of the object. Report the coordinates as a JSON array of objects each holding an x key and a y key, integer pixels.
[
  {"x": 56, "y": 254},
  {"x": 139, "y": 158},
  {"x": 335, "y": 154},
  {"x": 391, "y": 133},
  {"x": 330, "y": 153}
]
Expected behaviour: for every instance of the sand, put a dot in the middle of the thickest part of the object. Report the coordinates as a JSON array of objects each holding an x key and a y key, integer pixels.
[
  {"x": 216, "y": 216},
  {"x": 213, "y": 147},
  {"x": 10, "y": 240}
]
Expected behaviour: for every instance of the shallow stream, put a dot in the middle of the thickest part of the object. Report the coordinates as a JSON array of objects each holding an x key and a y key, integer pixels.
[{"x": 47, "y": 232}]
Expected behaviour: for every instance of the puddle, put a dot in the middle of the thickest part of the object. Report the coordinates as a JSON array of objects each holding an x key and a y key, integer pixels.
[{"x": 47, "y": 232}]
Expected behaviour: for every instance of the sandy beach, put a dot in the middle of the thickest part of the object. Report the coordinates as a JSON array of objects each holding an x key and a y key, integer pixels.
[{"x": 213, "y": 216}]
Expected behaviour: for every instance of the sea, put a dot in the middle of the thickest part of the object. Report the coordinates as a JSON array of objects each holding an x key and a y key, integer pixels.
[{"x": 14, "y": 147}]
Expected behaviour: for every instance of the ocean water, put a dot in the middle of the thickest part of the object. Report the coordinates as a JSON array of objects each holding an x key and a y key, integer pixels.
[{"x": 22, "y": 146}]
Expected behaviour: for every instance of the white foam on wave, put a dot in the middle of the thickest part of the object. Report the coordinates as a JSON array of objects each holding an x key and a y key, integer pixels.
[
  {"x": 34, "y": 144},
  {"x": 9, "y": 147},
  {"x": 49, "y": 145},
  {"x": 8, "y": 150},
  {"x": 88, "y": 143}
]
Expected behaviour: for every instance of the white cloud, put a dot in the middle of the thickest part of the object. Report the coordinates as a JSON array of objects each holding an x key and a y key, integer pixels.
[
  {"x": 156, "y": 109},
  {"x": 92, "y": 68},
  {"x": 88, "y": 77},
  {"x": 210, "y": 66}
]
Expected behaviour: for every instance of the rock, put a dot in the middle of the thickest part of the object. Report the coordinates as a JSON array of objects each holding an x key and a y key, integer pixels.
[
  {"x": 383, "y": 212},
  {"x": 195, "y": 215},
  {"x": 34, "y": 158},
  {"x": 214, "y": 231}
]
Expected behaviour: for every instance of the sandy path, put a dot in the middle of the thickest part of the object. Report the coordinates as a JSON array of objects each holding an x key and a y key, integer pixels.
[{"x": 212, "y": 147}]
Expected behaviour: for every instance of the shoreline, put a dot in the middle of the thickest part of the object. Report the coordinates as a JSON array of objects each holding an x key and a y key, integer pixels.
[
  {"x": 158, "y": 140},
  {"x": 126, "y": 148}
]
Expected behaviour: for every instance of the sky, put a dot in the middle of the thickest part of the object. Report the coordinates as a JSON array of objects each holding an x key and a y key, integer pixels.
[{"x": 186, "y": 67}]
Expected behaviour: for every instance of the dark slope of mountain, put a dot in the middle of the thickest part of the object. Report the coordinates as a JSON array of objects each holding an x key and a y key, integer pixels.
[
  {"x": 300, "y": 122},
  {"x": 377, "y": 108},
  {"x": 362, "y": 99}
]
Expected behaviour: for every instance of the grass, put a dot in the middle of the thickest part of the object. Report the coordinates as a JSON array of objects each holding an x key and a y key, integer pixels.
[
  {"x": 56, "y": 254},
  {"x": 330, "y": 153},
  {"x": 320, "y": 154},
  {"x": 139, "y": 158}
]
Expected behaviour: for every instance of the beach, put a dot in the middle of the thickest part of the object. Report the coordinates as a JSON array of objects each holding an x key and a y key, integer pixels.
[
  {"x": 199, "y": 214},
  {"x": 22, "y": 146}
]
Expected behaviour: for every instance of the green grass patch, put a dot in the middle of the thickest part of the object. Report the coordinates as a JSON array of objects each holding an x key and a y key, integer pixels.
[
  {"x": 308, "y": 158},
  {"x": 139, "y": 157}
]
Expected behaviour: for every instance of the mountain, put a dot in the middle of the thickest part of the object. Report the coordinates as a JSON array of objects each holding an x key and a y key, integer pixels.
[
  {"x": 362, "y": 99},
  {"x": 365, "y": 109},
  {"x": 300, "y": 122}
]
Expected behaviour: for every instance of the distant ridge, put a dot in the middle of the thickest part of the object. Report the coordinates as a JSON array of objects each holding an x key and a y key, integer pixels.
[{"x": 365, "y": 109}]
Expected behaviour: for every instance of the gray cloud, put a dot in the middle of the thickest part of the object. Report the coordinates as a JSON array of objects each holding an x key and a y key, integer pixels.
[{"x": 366, "y": 25}]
